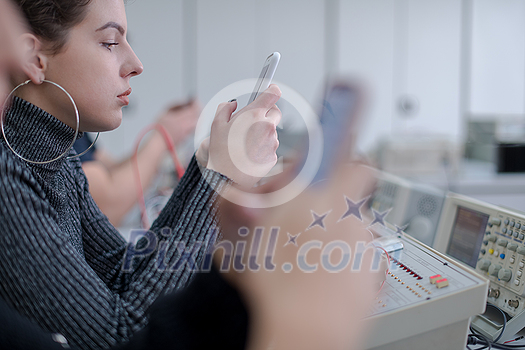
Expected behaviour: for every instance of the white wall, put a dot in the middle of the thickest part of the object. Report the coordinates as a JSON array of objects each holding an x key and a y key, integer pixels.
[
  {"x": 498, "y": 58},
  {"x": 405, "y": 48},
  {"x": 366, "y": 49}
]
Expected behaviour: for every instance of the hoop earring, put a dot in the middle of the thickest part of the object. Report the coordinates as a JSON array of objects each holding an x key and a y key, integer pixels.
[
  {"x": 87, "y": 149},
  {"x": 76, "y": 129}
]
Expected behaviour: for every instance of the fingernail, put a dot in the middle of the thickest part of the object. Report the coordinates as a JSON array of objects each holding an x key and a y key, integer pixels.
[{"x": 232, "y": 100}]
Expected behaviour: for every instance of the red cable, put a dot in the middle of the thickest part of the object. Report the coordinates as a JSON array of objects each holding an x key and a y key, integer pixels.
[
  {"x": 171, "y": 148},
  {"x": 513, "y": 340}
]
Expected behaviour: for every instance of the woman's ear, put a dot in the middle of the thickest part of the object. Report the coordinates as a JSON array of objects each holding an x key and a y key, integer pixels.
[{"x": 35, "y": 61}]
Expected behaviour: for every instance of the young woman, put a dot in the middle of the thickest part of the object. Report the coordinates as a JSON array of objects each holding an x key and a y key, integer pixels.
[{"x": 61, "y": 261}]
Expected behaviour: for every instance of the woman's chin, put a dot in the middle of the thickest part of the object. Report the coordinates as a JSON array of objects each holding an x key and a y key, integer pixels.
[
  {"x": 102, "y": 125},
  {"x": 115, "y": 124}
]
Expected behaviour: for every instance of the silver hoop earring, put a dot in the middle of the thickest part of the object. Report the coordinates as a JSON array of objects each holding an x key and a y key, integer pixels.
[
  {"x": 87, "y": 149},
  {"x": 76, "y": 129}
]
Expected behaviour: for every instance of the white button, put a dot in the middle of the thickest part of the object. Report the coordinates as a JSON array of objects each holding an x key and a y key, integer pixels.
[
  {"x": 519, "y": 273},
  {"x": 521, "y": 264},
  {"x": 516, "y": 282},
  {"x": 511, "y": 260},
  {"x": 496, "y": 253}
]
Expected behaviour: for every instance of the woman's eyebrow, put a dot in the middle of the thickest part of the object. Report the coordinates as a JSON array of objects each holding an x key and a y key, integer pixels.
[{"x": 112, "y": 25}]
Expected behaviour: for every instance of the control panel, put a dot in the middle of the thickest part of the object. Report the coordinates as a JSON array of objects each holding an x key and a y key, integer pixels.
[
  {"x": 427, "y": 297},
  {"x": 491, "y": 240}
]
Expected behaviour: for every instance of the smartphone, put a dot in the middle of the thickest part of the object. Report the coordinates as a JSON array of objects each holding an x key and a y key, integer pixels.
[
  {"x": 339, "y": 119},
  {"x": 265, "y": 78}
]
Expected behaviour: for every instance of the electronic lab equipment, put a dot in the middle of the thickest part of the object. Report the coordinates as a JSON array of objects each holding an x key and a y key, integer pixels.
[
  {"x": 409, "y": 155},
  {"x": 416, "y": 205},
  {"x": 491, "y": 240},
  {"x": 426, "y": 300}
]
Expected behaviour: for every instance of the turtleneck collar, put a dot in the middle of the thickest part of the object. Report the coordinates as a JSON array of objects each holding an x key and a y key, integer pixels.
[{"x": 37, "y": 135}]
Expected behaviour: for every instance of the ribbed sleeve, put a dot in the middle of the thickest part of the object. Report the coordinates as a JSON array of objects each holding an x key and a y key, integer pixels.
[{"x": 61, "y": 261}]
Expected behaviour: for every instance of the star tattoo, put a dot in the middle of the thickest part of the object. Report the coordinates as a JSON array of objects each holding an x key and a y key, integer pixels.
[
  {"x": 353, "y": 208},
  {"x": 318, "y": 219}
]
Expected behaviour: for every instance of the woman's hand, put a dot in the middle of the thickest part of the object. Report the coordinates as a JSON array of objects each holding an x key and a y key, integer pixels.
[
  {"x": 242, "y": 146},
  {"x": 305, "y": 302}
]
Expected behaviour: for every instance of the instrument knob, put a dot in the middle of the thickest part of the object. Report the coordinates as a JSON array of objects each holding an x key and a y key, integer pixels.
[
  {"x": 494, "y": 269},
  {"x": 505, "y": 275},
  {"x": 484, "y": 264}
]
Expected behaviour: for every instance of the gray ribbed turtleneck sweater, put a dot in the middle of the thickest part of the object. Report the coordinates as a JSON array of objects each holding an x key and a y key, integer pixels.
[{"x": 60, "y": 258}]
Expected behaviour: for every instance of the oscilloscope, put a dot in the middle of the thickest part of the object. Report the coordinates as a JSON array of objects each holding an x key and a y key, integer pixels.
[{"x": 491, "y": 240}]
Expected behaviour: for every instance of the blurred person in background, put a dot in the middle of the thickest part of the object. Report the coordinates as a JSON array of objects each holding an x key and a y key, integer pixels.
[{"x": 112, "y": 183}]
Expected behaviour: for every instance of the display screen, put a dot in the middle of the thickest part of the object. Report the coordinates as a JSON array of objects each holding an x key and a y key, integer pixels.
[{"x": 467, "y": 235}]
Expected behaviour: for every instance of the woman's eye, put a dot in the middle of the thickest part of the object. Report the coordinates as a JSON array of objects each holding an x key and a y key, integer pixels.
[{"x": 109, "y": 45}]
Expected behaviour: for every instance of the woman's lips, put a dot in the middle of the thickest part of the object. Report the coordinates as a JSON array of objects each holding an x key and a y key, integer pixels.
[{"x": 124, "y": 97}]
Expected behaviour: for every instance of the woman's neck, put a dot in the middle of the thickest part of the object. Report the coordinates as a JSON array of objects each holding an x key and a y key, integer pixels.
[{"x": 50, "y": 99}]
